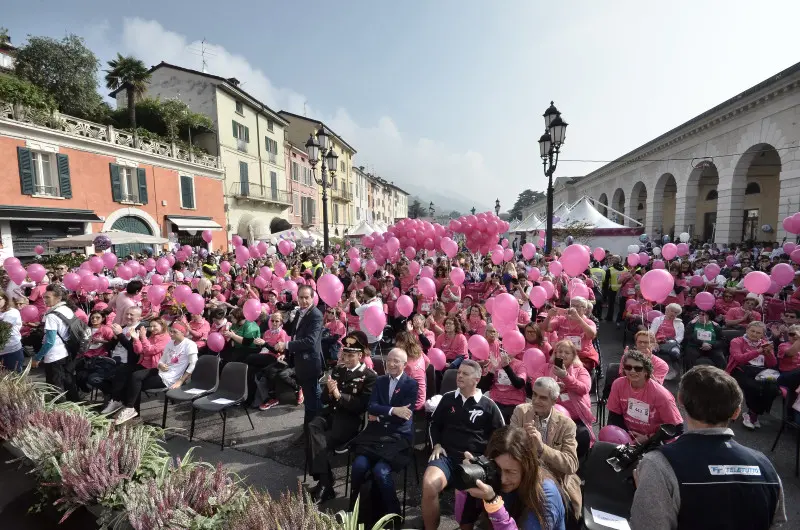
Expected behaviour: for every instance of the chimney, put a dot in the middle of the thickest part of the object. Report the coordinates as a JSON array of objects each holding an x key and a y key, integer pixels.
[{"x": 233, "y": 81}]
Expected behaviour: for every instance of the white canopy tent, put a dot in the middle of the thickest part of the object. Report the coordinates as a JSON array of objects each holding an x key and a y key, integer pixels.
[
  {"x": 362, "y": 229},
  {"x": 117, "y": 237},
  {"x": 583, "y": 211}
]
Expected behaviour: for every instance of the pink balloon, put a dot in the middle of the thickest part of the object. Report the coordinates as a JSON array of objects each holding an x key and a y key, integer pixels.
[
  {"x": 789, "y": 247},
  {"x": 260, "y": 282},
  {"x": 374, "y": 320},
  {"x": 504, "y": 243},
  {"x": 538, "y": 296},
  {"x": 355, "y": 265},
  {"x": 669, "y": 251},
  {"x": 39, "y": 249},
  {"x": 102, "y": 284},
  {"x": 478, "y": 347},
  {"x": 36, "y": 272},
  {"x": 712, "y": 271},
  {"x": 548, "y": 287},
  {"x": 489, "y": 305},
  {"x": 162, "y": 265},
  {"x": 599, "y": 254},
  {"x": 427, "y": 287},
  {"x": 705, "y": 300},
  {"x": 633, "y": 260},
  {"x": 644, "y": 258},
  {"x": 614, "y": 435},
  {"x": 353, "y": 253},
  {"x": 330, "y": 289},
  {"x": 156, "y": 279},
  {"x": 534, "y": 274},
  {"x": 696, "y": 281},
  {"x": 291, "y": 286},
  {"x": 782, "y": 273},
  {"x": 774, "y": 288},
  {"x": 795, "y": 255},
  {"x": 757, "y": 282},
  {"x": 124, "y": 272},
  {"x": 404, "y": 306},
  {"x": 578, "y": 288},
  {"x": 457, "y": 276},
  {"x": 575, "y": 260},
  {"x": 555, "y": 268},
  {"x": 225, "y": 267},
  {"x": 413, "y": 268},
  {"x": 683, "y": 249},
  {"x": 96, "y": 264},
  {"x": 437, "y": 358},
  {"x": 328, "y": 260},
  {"x": 110, "y": 260},
  {"x": 207, "y": 236},
  {"x": 427, "y": 272},
  {"x": 280, "y": 269},
  {"x": 215, "y": 342},
  {"x": 156, "y": 293},
  {"x": 72, "y": 281},
  {"x": 195, "y": 304},
  {"x": 182, "y": 293},
  {"x": 410, "y": 252},
  {"x": 10, "y": 262},
  {"x": 252, "y": 309},
  {"x": 658, "y": 264},
  {"x": 30, "y": 314},
  {"x": 562, "y": 409},
  {"x": 89, "y": 283},
  {"x": 528, "y": 251},
  {"x": 514, "y": 342},
  {"x": 788, "y": 225},
  {"x": 508, "y": 255},
  {"x": 80, "y": 314},
  {"x": 657, "y": 284},
  {"x": 170, "y": 260},
  {"x": 497, "y": 257},
  {"x": 533, "y": 359},
  {"x": 506, "y": 308},
  {"x": 371, "y": 267}
]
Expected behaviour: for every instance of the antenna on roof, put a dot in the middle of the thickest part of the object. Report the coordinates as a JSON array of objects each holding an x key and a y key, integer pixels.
[
  {"x": 204, "y": 69},
  {"x": 304, "y": 109}
]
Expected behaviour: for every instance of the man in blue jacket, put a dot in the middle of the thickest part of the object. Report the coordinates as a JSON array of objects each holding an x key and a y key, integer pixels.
[{"x": 384, "y": 446}]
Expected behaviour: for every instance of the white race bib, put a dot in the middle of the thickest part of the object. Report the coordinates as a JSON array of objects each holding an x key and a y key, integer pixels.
[
  {"x": 639, "y": 410},
  {"x": 502, "y": 377},
  {"x": 758, "y": 361},
  {"x": 425, "y": 307},
  {"x": 563, "y": 397},
  {"x": 704, "y": 335},
  {"x": 576, "y": 340}
]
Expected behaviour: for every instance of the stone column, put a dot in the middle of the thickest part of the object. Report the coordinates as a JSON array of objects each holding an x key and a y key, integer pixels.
[
  {"x": 789, "y": 202},
  {"x": 655, "y": 215},
  {"x": 730, "y": 205},
  {"x": 686, "y": 207}
]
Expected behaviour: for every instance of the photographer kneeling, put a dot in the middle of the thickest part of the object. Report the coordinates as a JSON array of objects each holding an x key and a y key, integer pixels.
[
  {"x": 517, "y": 494},
  {"x": 705, "y": 479}
]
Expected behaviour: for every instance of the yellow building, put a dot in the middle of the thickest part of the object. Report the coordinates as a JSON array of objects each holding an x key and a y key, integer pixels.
[{"x": 340, "y": 194}]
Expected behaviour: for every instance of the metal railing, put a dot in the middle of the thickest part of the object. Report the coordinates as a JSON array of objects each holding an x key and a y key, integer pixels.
[
  {"x": 344, "y": 195},
  {"x": 250, "y": 190}
]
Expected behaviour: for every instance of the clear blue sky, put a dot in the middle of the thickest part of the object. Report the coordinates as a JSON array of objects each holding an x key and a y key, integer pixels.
[{"x": 449, "y": 94}]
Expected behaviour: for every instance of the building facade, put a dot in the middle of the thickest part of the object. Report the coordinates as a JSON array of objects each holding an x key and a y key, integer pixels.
[
  {"x": 731, "y": 174},
  {"x": 300, "y": 183},
  {"x": 71, "y": 177},
  {"x": 340, "y": 193},
  {"x": 7, "y": 54},
  {"x": 360, "y": 206},
  {"x": 249, "y": 138}
]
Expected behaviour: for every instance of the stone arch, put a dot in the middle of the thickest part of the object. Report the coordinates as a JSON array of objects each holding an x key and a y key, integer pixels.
[
  {"x": 661, "y": 209},
  {"x": 135, "y": 212},
  {"x": 618, "y": 204},
  {"x": 753, "y": 197},
  {"x": 603, "y": 206},
  {"x": 135, "y": 225},
  {"x": 697, "y": 212},
  {"x": 637, "y": 205}
]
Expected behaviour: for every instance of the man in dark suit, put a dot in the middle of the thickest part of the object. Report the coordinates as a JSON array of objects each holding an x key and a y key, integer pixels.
[
  {"x": 306, "y": 350},
  {"x": 346, "y": 396},
  {"x": 385, "y": 445}
]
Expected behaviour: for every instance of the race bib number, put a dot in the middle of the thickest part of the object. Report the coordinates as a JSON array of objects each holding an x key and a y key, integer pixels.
[
  {"x": 502, "y": 378},
  {"x": 576, "y": 340},
  {"x": 703, "y": 335},
  {"x": 425, "y": 307},
  {"x": 758, "y": 361},
  {"x": 639, "y": 410},
  {"x": 563, "y": 397}
]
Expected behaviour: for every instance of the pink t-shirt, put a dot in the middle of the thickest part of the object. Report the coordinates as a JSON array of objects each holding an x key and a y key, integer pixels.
[
  {"x": 660, "y": 369},
  {"x": 452, "y": 346},
  {"x": 477, "y": 326},
  {"x": 666, "y": 331},
  {"x": 503, "y": 391},
  {"x": 415, "y": 369},
  {"x": 568, "y": 329},
  {"x": 121, "y": 305},
  {"x": 645, "y": 409},
  {"x": 575, "y": 389},
  {"x": 785, "y": 363},
  {"x": 737, "y": 312}
]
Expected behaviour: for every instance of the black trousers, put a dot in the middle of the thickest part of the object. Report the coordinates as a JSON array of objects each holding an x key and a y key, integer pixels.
[
  {"x": 255, "y": 363},
  {"x": 119, "y": 383},
  {"x": 714, "y": 355},
  {"x": 758, "y": 395},
  {"x": 583, "y": 438},
  {"x": 61, "y": 375},
  {"x": 325, "y": 435},
  {"x": 611, "y": 298},
  {"x": 144, "y": 379},
  {"x": 506, "y": 411}
]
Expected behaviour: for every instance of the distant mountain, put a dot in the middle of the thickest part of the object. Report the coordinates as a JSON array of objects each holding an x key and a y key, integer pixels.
[{"x": 442, "y": 203}]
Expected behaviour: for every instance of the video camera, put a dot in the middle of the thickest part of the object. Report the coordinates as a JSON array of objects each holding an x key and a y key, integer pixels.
[
  {"x": 625, "y": 455},
  {"x": 479, "y": 468}
]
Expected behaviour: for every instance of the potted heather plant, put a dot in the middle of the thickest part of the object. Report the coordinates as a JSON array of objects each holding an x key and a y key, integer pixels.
[{"x": 19, "y": 399}]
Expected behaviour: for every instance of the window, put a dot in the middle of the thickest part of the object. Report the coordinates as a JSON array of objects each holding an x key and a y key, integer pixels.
[
  {"x": 342, "y": 167},
  {"x": 712, "y": 195},
  {"x": 272, "y": 148},
  {"x": 752, "y": 189},
  {"x": 128, "y": 184},
  {"x": 358, "y": 213},
  {"x": 273, "y": 183},
  {"x": 308, "y": 212},
  {"x": 187, "y": 192},
  {"x": 296, "y": 207},
  {"x": 42, "y": 173},
  {"x": 242, "y": 135},
  {"x": 130, "y": 189},
  {"x": 270, "y": 125},
  {"x": 244, "y": 179},
  {"x": 45, "y": 178},
  {"x": 295, "y": 171},
  {"x": 336, "y": 213},
  {"x": 239, "y": 108}
]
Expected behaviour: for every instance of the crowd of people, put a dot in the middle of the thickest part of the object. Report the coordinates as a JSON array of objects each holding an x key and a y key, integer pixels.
[{"x": 525, "y": 403}]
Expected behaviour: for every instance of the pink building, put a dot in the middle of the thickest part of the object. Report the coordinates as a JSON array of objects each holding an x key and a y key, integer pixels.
[{"x": 301, "y": 186}]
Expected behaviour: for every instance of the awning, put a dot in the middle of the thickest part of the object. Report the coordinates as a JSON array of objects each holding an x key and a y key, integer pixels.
[
  {"x": 32, "y": 213},
  {"x": 117, "y": 237},
  {"x": 189, "y": 223}
]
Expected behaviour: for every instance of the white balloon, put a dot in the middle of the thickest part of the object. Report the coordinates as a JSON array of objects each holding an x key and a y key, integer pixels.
[
  {"x": 633, "y": 249},
  {"x": 684, "y": 237},
  {"x": 271, "y": 251},
  {"x": 656, "y": 251}
]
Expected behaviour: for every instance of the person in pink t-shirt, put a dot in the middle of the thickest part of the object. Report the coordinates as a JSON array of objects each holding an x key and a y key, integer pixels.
[
  {"x": 646, "y": 344},
  {"x": 534, "y": 338},
  {"x": 505, "y": 376},
  {"x": 742, "y": 316},
  {"x": 452, "y": 342},
  {"x": 637, "y": 403},
  {"x": 199, "y": 328},
  {"x": 788, "y": 358},
  {"x": 475, "y": 322},
  {"x": 573, "y": 325},
  {"x": 125, "y": 300},
  {"x": 416, "y": 366}
]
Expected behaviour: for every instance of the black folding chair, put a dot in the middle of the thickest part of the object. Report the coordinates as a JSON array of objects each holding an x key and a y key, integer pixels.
[
  {"x": 232, "y": 392},
  {"x": 788, "y": 419},
  {"x": 204, "y": 381},
  {"x": 448, "y": 381}
]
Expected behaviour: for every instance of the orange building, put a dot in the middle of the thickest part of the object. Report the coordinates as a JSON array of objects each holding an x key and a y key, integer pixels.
[{"x": 72, "y": 177}]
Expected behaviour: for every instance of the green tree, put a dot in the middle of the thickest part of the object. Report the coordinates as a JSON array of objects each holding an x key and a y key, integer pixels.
[
  {"x": 129, "y": 73},
  {"x": 65, "y": 69},
  {"x": 525, "y": 199},
  {"x": 4, "y": 38},
  {"x": 20, "y": 92},
  {"x": 455, "y": 214},
  {"x": 416, "y": 210}
]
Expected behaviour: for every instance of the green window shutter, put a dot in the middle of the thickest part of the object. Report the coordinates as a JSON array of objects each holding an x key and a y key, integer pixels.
[
  {"x": 116, "y": 183},
  {"x": 64, "y": 183},
  {"x": 274, "y": 147},
  {"x": 187, "y": 191},
  {"x": 247, "y": 134},
  {"x": 235, "y": 129},
  {"x": 244, "y": 179},
  {"x": 141, "y": 175},
  {"x": 25, "y": 170}
]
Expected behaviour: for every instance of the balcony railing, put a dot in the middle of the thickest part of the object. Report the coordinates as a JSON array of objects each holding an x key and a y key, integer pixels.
[
  {"x": 343, "y": 195},
  {"x": 257, "y": 192},
  {"x": 104, "y": 133}
]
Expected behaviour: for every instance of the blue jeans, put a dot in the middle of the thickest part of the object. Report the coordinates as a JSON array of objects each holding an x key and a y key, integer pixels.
[
  {"x": 381, "y": 477},
  {"x": 312, "y": 394},
  {"x": 14, "y": 360}
]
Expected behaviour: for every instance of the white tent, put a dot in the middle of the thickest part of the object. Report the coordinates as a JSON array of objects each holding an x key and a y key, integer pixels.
[
  {"x": 117, "y": 237},
  {"x": 583, "y": 211},
  {"x": 362, "y": 229},
  {"x": 380, "y": 227}
]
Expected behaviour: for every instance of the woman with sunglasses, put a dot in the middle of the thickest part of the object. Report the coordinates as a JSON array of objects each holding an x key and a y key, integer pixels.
[
  {"x": 789, "y": 351},
  {"x": 493, "y": 286},
  {"x": 724, "y": 304},
  {"x": 750, "y": 355},
  {"x": 534, "y": 338},
  {"x": 639, "y": 404}
]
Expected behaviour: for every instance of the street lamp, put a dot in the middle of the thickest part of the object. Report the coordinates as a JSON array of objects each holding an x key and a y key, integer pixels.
[
  {"x": 497, "y": 207},
  {"x": 473, "y": 210},
  {"x": 555, "y": 130},
  {"x": 316, "y": 146},
  {"x": 431, "y": 209}
]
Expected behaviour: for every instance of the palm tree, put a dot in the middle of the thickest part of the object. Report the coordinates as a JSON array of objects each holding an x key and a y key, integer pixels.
[{"x": 130, "y": 73}]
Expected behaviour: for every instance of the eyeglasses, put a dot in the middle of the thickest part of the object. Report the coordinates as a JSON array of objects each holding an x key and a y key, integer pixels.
[{"x": 631, "y": 368}]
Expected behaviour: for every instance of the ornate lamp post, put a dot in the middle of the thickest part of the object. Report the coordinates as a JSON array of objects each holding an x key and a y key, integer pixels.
[
  {"x": 473, "y": 210},
  {"x": 431, "y": 210},
  {"x": 327, "y": 171},
  {"x": 497, "y": 207},
  {"x": 549, "y": 148}
]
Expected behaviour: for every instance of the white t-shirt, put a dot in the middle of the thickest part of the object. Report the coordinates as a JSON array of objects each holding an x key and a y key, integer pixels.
[
  {"x": 177, "y": 357},
  {"x": 526, "y": 306},
  {"x": 52, "y": 322},
  {"x": 360, "y": 310},
  {"x": 13, "y": 318},
  {"x": 119, "y": 349}
]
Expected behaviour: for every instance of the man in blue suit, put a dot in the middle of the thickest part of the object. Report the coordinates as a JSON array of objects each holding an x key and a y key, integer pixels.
[{"x": 385, "y": 445}]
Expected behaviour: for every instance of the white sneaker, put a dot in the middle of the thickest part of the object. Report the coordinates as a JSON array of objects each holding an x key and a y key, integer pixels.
[
  {"x": 757, "y": 424},
  {"x": 112, "y": 407},
  {"x": 125, "y": 415},
  {"x": 748, "y": 424}
]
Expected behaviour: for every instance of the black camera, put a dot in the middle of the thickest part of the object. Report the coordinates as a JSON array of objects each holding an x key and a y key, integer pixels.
[
  {"x": 626, "y": 455},
  {"x": 479, "y": 468}
]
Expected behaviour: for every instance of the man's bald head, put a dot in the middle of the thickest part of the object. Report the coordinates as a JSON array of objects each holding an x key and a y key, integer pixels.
[{"x": 396, "y": 362}]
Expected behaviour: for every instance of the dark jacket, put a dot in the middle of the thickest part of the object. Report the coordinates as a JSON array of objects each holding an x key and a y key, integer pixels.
[
  {"x": 347, "y": 413},
  {"x": 405, "y": 395},
  {"x": 306, "y": 346}
]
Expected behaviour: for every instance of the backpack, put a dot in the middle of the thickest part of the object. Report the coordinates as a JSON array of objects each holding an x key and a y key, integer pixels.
[{"x": 77, "y": 340}]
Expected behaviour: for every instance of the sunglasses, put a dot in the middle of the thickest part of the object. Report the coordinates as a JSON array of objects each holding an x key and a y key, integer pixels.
[{"x": 631, "y": 368}]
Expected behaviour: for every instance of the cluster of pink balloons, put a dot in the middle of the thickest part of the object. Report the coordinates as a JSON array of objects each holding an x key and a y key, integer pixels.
[
  {"x": 481, "y": 232},
  {"x": 792, "y": 223}
]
